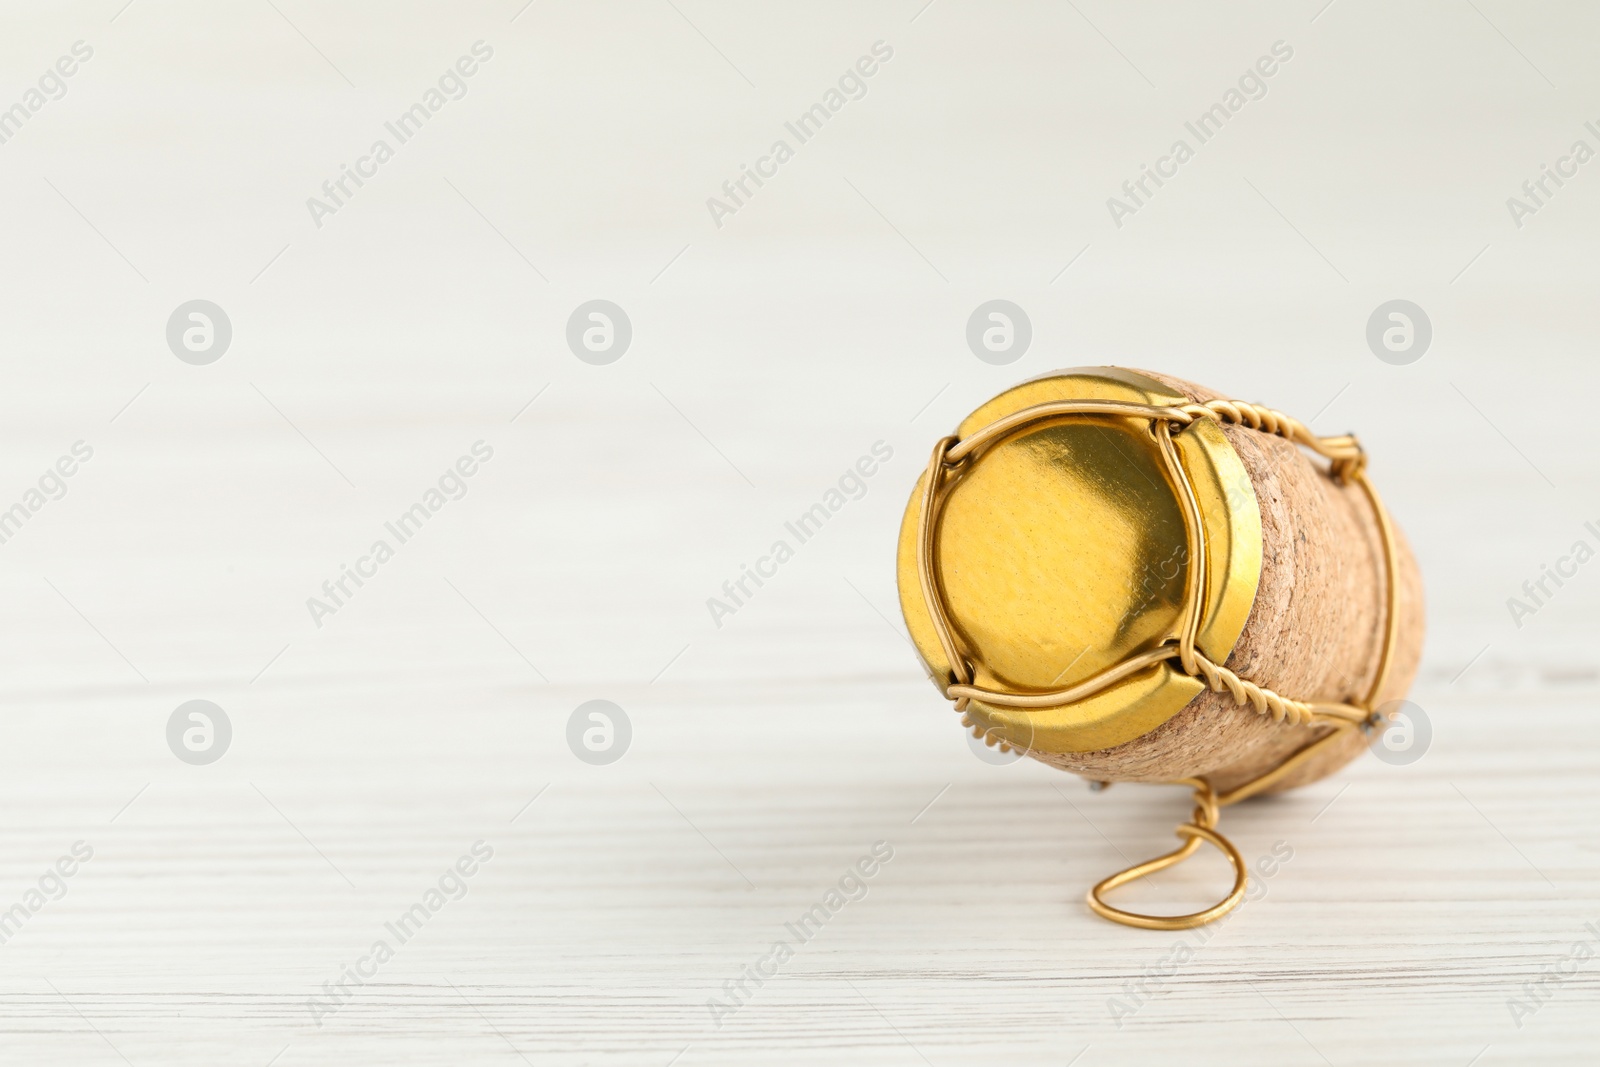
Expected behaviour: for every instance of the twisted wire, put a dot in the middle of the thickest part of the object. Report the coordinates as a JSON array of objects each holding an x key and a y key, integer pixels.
[
  {"x": 1282, "y": 709},
  {"x": 1343, "y": 452}
]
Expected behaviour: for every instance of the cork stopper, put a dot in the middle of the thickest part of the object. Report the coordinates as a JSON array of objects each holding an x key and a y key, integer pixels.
[{"x": 1059, "y": 556}]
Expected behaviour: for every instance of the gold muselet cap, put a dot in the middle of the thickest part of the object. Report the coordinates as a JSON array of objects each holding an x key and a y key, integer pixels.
[{"x": 1077, "y": 529}]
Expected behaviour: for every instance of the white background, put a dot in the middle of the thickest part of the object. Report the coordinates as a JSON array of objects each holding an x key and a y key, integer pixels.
[{"x": 768, "y": 354}]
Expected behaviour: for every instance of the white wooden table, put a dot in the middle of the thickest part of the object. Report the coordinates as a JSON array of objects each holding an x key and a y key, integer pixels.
[{"x": 623, "y": 902}]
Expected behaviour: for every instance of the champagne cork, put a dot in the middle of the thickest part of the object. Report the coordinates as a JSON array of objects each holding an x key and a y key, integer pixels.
[
  {"x": 1066, "y": 530},
  {"x": 1127, "y": 576}
]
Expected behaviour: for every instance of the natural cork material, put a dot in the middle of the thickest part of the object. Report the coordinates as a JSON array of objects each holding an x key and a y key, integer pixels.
[{"x": 1314, "y": 632}]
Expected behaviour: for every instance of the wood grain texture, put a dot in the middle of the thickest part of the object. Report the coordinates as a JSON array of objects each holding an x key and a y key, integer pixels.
[{"x": 623, "y": 899}]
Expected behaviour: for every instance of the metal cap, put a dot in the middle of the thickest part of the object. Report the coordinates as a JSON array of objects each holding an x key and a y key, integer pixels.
[{"x": 1059, "y": 550}]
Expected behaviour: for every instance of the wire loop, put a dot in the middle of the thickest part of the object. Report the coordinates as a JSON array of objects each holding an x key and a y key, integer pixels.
[{"x": 1199, "y": 829}]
